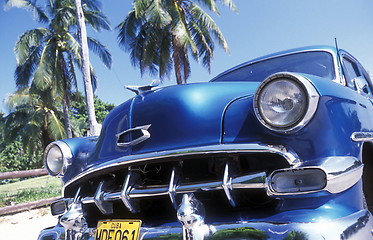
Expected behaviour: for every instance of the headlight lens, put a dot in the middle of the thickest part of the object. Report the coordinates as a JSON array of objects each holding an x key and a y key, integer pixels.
[
  {"x": 282, "y": 103},
  {"x": 285, "y": 102},
  {"x": 57, "y": 157},
  {"x": 54, "y": 160}
]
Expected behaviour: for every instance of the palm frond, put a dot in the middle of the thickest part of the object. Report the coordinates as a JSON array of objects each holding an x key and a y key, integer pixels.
[
  {"x": 95, "y": 5},
  {"x": 45, "y": 71},
  {"x": 97, "y": 20},
  {"x": 101, "y": 50},
  {"x": 230, "y": 4},
  {"x": 141, "y": 51},
  {"x": 55, "y": 126},
  {"x": 38, "y": 12},
  {"x": 21, "y": 97},
  {"x": 185, "y": 65},
  {"x": 24, "y": 72},
  {"x": 128, "y": 30},
  {"x": 211, "y": 5},
  {"x": 205, "y": 21},
  {"x": 71, "y": 72},
  {"x": 150, "y": 49},
  {"x": 73, "y": 46},
  {"x": 94, "y": 80},
  {"x": 140, "y": 7},
  {"x": 64, "y": 17},
  {"x": 180, "y": 28},
  {"x": 28, "y": 42},
  {"x": 164, "y": 63},
  {"x": 157, "y": 14}
]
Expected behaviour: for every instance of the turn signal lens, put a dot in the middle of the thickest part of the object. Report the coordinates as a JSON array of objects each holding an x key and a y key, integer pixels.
[{"x": 298, "y": 180}]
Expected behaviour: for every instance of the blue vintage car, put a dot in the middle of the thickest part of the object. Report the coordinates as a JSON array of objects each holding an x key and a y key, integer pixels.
[{"x": 279, "y": 147}]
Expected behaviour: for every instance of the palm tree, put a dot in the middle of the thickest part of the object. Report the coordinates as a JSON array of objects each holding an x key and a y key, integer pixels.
[
  {"x": 34, "y": 118},
  {"x": 160, "y": 34},
  {"x": 92, "y": 122},
  {"x": 47, "y": 57}
]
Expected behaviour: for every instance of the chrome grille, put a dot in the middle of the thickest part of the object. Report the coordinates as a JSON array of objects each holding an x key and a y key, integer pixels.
[
  {"x": 234, "y": 179},
  {"x": 131, "y": 192}
]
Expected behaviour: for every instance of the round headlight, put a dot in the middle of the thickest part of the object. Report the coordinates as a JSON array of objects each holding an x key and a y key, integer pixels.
[
  {"x": 57, "y": 157},
  {"x": 283, "y": 102}
]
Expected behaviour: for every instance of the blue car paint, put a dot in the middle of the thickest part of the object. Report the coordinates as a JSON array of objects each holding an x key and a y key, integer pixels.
[
  {"x": 222, "y": 113},
  {"x": 175, "y": 114}
]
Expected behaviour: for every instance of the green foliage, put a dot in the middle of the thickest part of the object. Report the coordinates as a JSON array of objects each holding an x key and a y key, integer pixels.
[
  {"x": 33, "y": 123},
  {"x": 240, "y": 233},
  {"x": 296, "y": 235},
  {"x": 14, "y": 158},
  {"x": 48, "y": 56},
  {"x": 79, "y": 111},
  {"x": 34, "y": 118},
  {"x": 171, "y": 236}
]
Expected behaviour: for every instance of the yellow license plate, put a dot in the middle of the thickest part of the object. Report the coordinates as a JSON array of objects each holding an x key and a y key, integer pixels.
[{"x": 118, "y": 230}]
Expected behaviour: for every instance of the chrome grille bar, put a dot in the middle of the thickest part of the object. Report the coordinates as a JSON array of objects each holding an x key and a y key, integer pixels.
[{"x": 130, "y": 191}]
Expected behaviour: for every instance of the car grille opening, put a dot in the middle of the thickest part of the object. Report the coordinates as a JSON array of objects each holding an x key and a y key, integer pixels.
[{"x": 152, "y": 189}]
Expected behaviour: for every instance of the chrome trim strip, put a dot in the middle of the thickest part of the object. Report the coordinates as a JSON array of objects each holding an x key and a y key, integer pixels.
[
  {"x": 362, "y": 136},
  {"x": 290, "y": 156},
  {"x": 145, "y": 136}
]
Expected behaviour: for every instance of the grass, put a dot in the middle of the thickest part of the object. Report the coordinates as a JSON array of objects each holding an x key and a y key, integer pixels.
[{"x": 29, "y": 190}]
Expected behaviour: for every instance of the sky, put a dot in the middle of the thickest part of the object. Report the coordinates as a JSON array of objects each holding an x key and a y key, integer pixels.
[{"x": 260, "y": 27}]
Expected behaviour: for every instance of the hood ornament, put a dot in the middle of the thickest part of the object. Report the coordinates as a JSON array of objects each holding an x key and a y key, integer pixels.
[{"x": 141, "y": 89}]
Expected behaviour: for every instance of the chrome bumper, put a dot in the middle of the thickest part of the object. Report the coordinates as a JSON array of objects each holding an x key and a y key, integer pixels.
[
  {"x": 342, "y": 172},
  {"x": 357, "y": 226}
]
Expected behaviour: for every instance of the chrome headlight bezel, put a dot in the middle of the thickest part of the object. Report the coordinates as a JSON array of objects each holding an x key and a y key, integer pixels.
[
  {"x": 62, "y": 163},
  {"x": 309, "y": 108}
]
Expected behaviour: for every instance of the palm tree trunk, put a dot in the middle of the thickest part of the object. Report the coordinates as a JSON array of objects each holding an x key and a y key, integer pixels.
[
  {"x": 66, "y": 116},
  {"x": 94, "y": 128},
  {"x": 45, "y": 136},
  {"x": 65, "y": 100}
]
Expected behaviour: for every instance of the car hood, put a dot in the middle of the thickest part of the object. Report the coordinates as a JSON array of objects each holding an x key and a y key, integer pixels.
[{"x": 174, "y": 117}]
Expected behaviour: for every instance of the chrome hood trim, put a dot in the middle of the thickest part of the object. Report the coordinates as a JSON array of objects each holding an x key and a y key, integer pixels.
[{"x": 362, "y": 136}]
